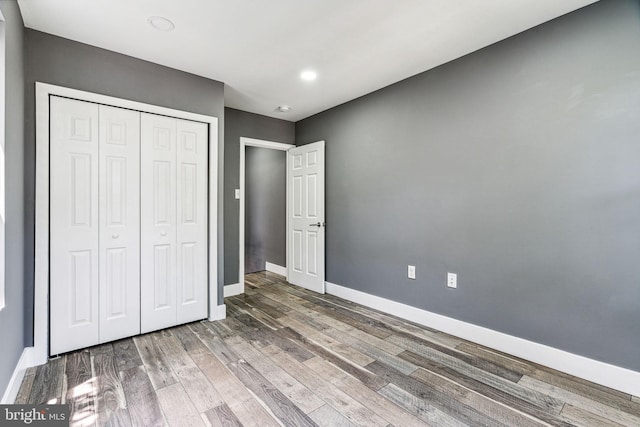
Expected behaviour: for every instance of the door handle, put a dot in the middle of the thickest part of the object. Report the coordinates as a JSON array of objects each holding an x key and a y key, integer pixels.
[
  {"x": 318, "y": 224},
  {"x": 115, "y": 236},
  {"x": 163, "y": 233}
]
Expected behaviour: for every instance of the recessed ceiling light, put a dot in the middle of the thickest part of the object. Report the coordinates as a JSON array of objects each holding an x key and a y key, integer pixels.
[
  {"x": 283, "y": 109},
  {"x": 308, "y": 75},
  {"x": 160, "y": 23}
]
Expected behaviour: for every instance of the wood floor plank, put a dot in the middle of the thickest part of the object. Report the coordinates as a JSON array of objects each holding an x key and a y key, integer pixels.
[
  {"x": 510, "y": 363},
  {"x": 613, "y": 398},
  {"x": 419, "y": 407},
  {"x": 536, "y": 404},
  {"x": 202, "y": 393},
  {"x": 278, "y": 403},
  {"x": 155, "y": 364},
  {"x": 257, "y": 332},
  {"x": 326, "y": 416},
  {"x": 345, "y": 404},
  {"x": 263, "y": 317},
  {"x": 111, "y": 403},
  {"x": 221, "y": 416},
  {"x": 419, "y": 346},
  {"x": 374, "y": 351},
  {"x": 346, "y": 334},
  {"x": 48, "y": 382},
  {"x": 443, "y": 401},
  {"x": 230, "y": 388},
  {"x": 362, "y": 374},
  {"x": 326, "y": 341},
  {"x": 82, "y": 388},
  {"x": 142, "y": 401},
  {"x": 579, "y": 401},
  {"x": 126, "y": 354},
  {"x": 585, "y": 418},
  {"x": 375, "y": 402},
  {"x": 495, "y": 381},
  {"x": 491, "y": 408},
  {"x": 214, "y": 342},
  {"x": 252, "y": 414},
  {"x": 22, "y": 398},
  {"x": 177, "y": 407},
  {"x": 300, "y": 395}
]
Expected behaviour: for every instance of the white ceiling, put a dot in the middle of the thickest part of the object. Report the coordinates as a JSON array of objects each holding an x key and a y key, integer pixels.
[{"x": 258, "y": 48}]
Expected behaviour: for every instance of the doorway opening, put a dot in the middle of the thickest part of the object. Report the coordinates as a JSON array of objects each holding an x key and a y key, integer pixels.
[{"x": 254, "y": 255}]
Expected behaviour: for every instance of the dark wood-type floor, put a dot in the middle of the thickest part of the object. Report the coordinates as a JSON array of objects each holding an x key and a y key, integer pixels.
[{"x": 286, "y": 356}]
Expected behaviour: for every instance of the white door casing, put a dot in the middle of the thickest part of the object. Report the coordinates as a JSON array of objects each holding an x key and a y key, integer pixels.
[
  {"x": 119, "y": 261},
  {"x": 74, "y": 225},
  {"x": 192, "y": 221},
  {"x": 305, "y": 216}
]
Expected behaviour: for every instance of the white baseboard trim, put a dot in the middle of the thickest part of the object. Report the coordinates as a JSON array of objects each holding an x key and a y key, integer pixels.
[
  {"x": 232, "y": 290},
  {"x": 15, "y": 382},
  {"x": 218, "y": 313},
  {"x": 622, "y": 379},
  {"x": 274, "y": 268}
]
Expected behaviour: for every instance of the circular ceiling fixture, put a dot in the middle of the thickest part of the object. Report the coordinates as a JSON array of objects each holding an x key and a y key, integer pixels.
[
  {"x": 308, "y": 75},
  {"x": 283, "y": 108},
  {"x": 161, "y": 23}
]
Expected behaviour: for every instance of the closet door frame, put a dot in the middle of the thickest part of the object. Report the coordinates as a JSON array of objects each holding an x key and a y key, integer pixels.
[{"x": 39, "y": 353}]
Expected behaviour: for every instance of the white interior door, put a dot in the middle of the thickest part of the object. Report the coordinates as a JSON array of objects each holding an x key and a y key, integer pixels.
[
  {"x": 192, "y": 221},
  {"x": 119, "y": 218},
  {"x": 305, "y": 216},
  {"x": 74, "y": 224},
  {"x": 158, "y": 222}
]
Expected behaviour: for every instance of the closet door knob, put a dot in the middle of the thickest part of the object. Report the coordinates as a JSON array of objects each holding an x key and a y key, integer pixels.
[
  {"x": 163, "y": 233},
  {"x": 115, "y": 236}
]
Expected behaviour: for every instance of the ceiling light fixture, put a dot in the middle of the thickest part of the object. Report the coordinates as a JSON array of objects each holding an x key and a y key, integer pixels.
[
  {"x": 283, "y": 109},
  {"x": 160, "y": 23},
  {"x": 308, "y": 75}
]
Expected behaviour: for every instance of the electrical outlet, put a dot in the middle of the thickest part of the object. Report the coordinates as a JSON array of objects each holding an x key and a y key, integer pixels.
[
  {"x": 238, "y": 193},
  {"x": 452, "y": 280},
  {"x": 411, "y": 271}
]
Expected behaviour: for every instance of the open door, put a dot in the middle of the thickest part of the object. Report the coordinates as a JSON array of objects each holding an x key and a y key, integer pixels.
[{"x": 305, "y": 216}]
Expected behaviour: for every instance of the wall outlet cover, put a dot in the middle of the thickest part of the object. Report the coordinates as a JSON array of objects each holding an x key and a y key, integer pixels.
[
  {"x": 411, "y": 272},
  {"x": 452, "y": 280}
]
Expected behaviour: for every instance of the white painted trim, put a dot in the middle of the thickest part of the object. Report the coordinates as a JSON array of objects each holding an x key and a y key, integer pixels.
[
  {"x": 233, "y": 290},
  {"x": 10, "y": 393},
  {"x": 41, "y": 294},
  {"x": 250, "y": 142},
  {"x": 219, "y": 313},
  {"x": 277, "y": 269},
  {"x": 612, "y": 376}
]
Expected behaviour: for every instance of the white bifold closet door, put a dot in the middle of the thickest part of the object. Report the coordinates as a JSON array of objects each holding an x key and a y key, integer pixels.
[
  {"x": 174, "y": 221},
  {"x": 128, "y": 221},
  {"x": 94, "y": 223}
]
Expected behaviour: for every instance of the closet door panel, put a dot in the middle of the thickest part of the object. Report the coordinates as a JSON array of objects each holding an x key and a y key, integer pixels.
[
  {"x": 192, "y": 220},
  {"x": 119, "y": 223},
  {"x": 74, "y": 226},
  {"x": 158, "y": 226}
]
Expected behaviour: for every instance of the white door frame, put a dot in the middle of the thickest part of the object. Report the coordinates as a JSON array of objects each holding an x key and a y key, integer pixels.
[
  {"x": 238, "y": 288},
  {"x": 38, "y": 354}
]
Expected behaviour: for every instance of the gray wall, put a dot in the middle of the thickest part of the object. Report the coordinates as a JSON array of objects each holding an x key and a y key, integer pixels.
[
  {"x": 515, "y": 167},
  {"x": 12, "y": 315},
  {"x": 265, "y": 208},
  {"x": 63, "y": 62},
  {"x": 238, "y": 124}
]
